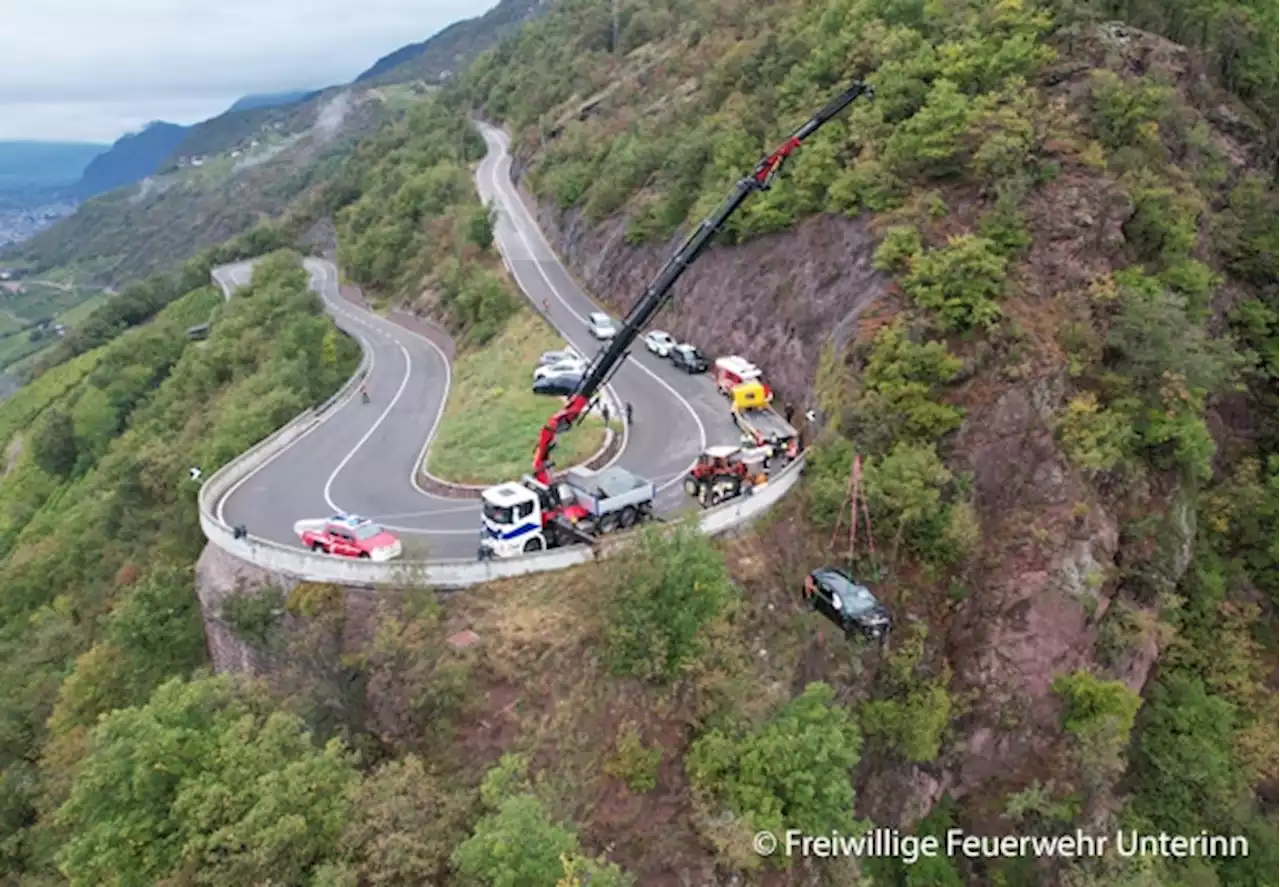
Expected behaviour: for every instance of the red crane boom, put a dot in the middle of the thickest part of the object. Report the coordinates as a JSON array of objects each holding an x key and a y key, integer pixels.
[{"x": 659, "y": 290}]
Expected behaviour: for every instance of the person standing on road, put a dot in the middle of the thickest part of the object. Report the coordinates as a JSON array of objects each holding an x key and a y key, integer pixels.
[
  {"x": 604, "y": 412},
  {"x": 546, "y": 307},
  {"x": 628, "y": 412}
]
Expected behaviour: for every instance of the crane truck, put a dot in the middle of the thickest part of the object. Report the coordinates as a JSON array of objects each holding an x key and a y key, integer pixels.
[{"x": 539, "y": 513}]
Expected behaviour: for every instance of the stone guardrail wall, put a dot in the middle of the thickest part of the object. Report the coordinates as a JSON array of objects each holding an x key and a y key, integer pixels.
[{"x": 308, "y": 567}]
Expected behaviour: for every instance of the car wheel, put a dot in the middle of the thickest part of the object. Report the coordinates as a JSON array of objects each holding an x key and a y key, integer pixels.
[
  {"x": 691, "y": 486},
  {"x": 364, "y": 556},
  {"x": 628, "y": 518},
  {"x": 608, "y": 523},
  {"x": 533, "y": 545},
  {"x": 316, "y": 546}
]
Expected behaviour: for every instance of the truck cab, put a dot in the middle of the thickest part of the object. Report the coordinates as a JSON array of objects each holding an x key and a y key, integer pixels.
[
  {"x": 732, "y": 371},
  {"x": 527, "y": 517},
  {"x": 512, "y": 517}
]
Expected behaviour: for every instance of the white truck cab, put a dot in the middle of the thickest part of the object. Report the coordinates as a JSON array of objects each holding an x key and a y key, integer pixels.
[
  {"x": 512, "y": 516},
  {"x": 526, "y": 517}
]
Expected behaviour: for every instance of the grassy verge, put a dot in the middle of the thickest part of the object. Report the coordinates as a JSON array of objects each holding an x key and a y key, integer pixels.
[{"x": 492, "y": 419}]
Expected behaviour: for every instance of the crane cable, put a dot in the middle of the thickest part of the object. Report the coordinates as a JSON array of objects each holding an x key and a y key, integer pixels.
[{"x": 857, "y": 497}]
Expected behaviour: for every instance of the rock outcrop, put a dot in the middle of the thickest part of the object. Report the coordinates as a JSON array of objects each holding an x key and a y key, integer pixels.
[{"x": 775, "y": 301}]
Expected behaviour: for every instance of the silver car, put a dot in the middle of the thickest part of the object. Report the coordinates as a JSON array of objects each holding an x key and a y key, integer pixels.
[
  {"x": 574, "y": 365},
  {"x": 601, "y": 325},
  {"x": 659, "y": 343},
  {"x": 550, "y": 357}
]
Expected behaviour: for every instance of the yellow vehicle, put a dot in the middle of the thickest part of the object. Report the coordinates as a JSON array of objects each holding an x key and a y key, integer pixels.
[{"x": 754, "y": 414}]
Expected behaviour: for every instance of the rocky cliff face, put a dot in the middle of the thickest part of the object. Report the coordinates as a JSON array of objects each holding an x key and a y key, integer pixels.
[
  {"x": 219, "y": 576},
  {"x": 775, "y": 301},
  {"x": 1051, "y": 545}
]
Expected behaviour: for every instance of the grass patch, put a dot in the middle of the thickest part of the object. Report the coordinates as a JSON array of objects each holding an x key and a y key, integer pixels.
[
  {"x": 73, "y": 317},
  {"x": 491, "y": 422},
  {"x": 16, "y": 346},
  {"x": 22, "y": 409},
  {"x": 40, "y": 298}
]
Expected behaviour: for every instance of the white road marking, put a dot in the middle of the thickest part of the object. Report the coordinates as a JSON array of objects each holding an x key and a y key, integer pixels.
[
  {"x": 493, "y": 174},
  {"x": 404, "y": 383},
  {"x": 274, "y": 456},
  {"x": 374, "y": 324}
]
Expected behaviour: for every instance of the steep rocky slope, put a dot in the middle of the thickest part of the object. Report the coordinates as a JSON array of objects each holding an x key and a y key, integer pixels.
[
  {"x": 1078, "y": 216},
  {"x": 779, "y": 298}
]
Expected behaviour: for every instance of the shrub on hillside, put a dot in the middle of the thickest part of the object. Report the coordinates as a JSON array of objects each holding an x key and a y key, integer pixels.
[
  {"x": 899, "y": 389},
  {"x": 667, "y": 589},
  {"x": 793, "y": 772},
  {"x": 912, "y": 710},
  {"x": 935, "y": 141},
  {"x": 1095, "y": 438},
  {"x": 245, "y": 796},
  {"x": 1164, "y": 368},
  {"x": 517, "y": 843},
  {"x": 959, "y": 282},
  {"x": 911, "y": 491},
  {"x": 1127, "y": 114},
  {"x": 1098, "y": 715}
]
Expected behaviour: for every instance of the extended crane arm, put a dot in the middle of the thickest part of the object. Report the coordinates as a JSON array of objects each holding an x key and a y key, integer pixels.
[{"x": 657, "y": 293}]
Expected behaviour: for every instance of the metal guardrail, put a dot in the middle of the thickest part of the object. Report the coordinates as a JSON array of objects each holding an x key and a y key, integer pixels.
[{"x": 443, "y": 573}]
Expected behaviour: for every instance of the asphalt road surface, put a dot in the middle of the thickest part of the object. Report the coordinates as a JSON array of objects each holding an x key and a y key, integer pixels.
[{"x": 362, "y": 459}]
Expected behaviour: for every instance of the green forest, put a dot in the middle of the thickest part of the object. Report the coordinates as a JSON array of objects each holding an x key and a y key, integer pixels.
[{"x": 620, "y": 723}]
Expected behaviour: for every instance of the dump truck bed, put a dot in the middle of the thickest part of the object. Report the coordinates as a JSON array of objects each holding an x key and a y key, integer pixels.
[
  {"x": 610, "y": 490},
  {"x": 764, "y": 423}
]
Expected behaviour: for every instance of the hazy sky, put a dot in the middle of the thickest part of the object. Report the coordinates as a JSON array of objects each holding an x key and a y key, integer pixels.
[{"x": 92, "y": 70}]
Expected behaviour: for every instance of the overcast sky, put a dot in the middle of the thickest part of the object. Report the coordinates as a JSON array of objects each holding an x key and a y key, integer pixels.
[{"x": 92, "y": 70}]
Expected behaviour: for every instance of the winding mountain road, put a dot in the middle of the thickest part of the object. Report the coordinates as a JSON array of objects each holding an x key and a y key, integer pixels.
[{"x": 363, "y": 457}]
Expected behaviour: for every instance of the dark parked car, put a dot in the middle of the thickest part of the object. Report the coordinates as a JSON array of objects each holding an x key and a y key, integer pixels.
[
  {"x": 558, "y": 384},
  {"x": 689, "y": 359},
  {"x": 846, "y": 603}
]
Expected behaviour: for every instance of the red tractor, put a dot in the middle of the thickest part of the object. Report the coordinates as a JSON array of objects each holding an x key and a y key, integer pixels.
[{"x": 724, "y": 473}]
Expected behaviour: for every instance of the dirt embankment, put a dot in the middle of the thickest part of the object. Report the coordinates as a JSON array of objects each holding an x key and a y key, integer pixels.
[{"x": 776, "y": 300}]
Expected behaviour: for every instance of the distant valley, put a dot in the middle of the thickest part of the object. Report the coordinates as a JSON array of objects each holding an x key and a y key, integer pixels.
[
  {"x": 42, "y": 182},
  {"x": 27, "y": 165}
]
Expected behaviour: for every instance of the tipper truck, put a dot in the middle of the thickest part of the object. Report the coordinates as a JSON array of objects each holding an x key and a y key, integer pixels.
[
  {"x": 529, "y": 516},
  {"x": 534, "y": 512},
  {"x": 757, "y": 419}
]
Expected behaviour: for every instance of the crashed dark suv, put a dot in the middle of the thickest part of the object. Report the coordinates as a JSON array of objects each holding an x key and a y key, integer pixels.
[{"x": 846, "y": 603}]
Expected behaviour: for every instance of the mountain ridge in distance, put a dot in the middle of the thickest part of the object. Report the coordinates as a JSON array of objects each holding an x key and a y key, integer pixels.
[
  {"x": 452, "y": 47},
  {"x": 131, "y": 158},
  {"x": 271, "y": 99}
]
